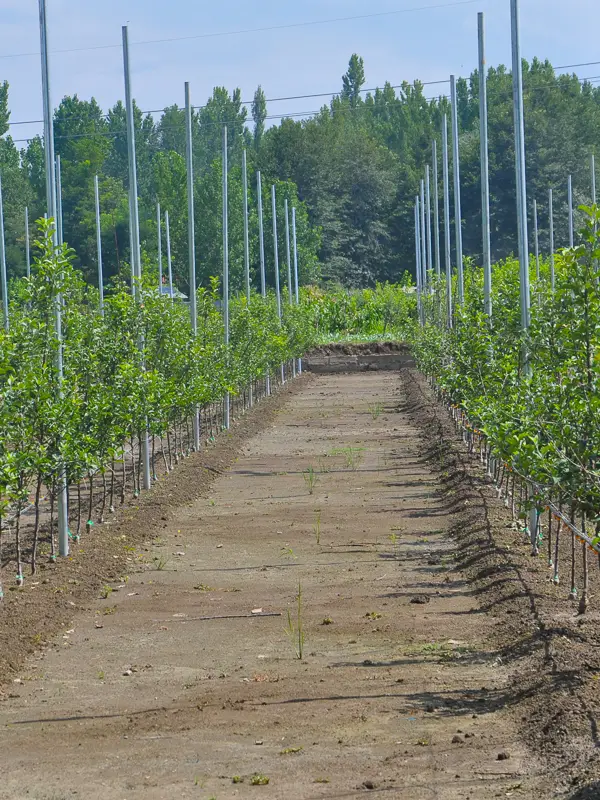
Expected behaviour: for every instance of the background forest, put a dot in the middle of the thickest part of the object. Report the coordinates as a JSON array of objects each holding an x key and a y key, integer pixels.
[{"x": 352, "y": 170}]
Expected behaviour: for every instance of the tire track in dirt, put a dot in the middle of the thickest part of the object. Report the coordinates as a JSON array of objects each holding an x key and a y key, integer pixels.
[{"x": 170, "y": 687}]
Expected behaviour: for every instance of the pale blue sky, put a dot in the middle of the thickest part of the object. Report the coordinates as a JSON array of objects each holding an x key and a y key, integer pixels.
[{"x": 428, "y": 44}]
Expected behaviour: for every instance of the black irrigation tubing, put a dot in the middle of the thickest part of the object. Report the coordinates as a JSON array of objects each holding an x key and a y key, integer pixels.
[{"x": 220, "y": 616}]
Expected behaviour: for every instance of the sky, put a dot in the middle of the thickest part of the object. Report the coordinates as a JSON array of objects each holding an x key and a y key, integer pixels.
[{"x": 218, "y": 44}]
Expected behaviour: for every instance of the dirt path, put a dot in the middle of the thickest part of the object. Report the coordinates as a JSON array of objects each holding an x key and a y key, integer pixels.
[{"x": 143, "y": 699}]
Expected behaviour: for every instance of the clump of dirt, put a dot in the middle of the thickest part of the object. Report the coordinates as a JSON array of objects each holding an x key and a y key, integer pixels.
[
  {"x": 359, "y": 349},
  {"x": 31, "y": 615},
  {"x": 554, "y": 652}
]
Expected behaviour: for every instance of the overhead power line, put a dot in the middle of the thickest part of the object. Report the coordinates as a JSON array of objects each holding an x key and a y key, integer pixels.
[
  {"x": 549, "y": 85},
  {"x": 264, "y": 29},
  {"x": 243, "y": 102}
]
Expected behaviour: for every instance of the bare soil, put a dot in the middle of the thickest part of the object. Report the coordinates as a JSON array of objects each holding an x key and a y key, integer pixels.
[
  {"x": 424, "y": 667},
  {"x": 359, "y": 348},
  {"x": 552, "y": 651},
  {"x": 30, "y": 616}
]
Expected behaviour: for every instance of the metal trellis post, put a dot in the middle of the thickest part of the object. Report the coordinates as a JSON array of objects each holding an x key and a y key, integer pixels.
[
  {"x": 457, "y": 198},
  {"x": 189, "y": 157},
  {"x": 551, "y": 221},
  {"x": 246, "y": 225},
  {"x": 99, "y": 245},
  {"x": 136, "y": 259},
  {"x": 62, "y": 497},
  {"x": 436, "y": 209},
  {"x": 159, "y": 246},
  {"x": 276, "y": 263},
  {"x": 418, "y": 259},
  {"x": 424, "y": 275},
  {"x": 3, "y": 270},
  {"x": 428, "y": 221},
  {"x": 570, "y": 202},
  {"x": 519, "y": 125},
  {"x": 485, "y": 172},
  {"x": 226, "y": 263},
  {"x": 447, "y": 245},
  {"x": 261, "y": 244},
  {"x": 536, "y": 242},
  {"x": 169, "y": 259},
  {"x": 27, "y": 245},
  {"x": 59, "y": 204},
  {"x": 297, "y": 289}
]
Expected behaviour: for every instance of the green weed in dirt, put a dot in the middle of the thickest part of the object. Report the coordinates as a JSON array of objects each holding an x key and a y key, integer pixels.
[
  {"x": 317, "y": 526},
  {"x": 352, "y": 456},
  {"x": 323, "y": 466},
  {"x": 295, "y": 628},
  {"x": 310, "y": 478},
  {"x": 160, "y": 562},
  {"x": 259, "y": 780},
  {"x": 375, "y": 410}
]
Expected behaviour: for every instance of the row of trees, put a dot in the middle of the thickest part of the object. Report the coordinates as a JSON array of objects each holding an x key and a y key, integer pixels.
[
  {"x": 352, "y": 170},
  {"x": 92, "y": 143},
  {"x": 359, "y": 161}
]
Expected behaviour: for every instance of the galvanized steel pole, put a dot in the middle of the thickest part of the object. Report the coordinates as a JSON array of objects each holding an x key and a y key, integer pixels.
[
  {"x": 418, "y": 259},
  {"x": 246, "y": 248},
  {"x": 295, "y": 243},
  {"x": 436, "y": 209},
  {"x": 27, "y": 245},
  {"x": 519, "y": 124},
  {"x": 447, "y": 251},
  {"x": 551, "y": 216},
  {"x": 189, "y": 158},
  {"x": 428, "y": 215},
  {"x": 276, "y": 264},
  {"x": 3, "y": 270},
  {"x": 457, "y": 199},
  {"x": 246, "y": 225},
  {"x": 485, "y": 172},
  {"x": 275, "y": 248},
  {"x": 536, "y": 242},
  {"x": 99, "y": 245},
  {"x": 261, "y": 236},
  {"x": 59, "y": 205},
  {"x": 135, "y": 225},
  {"x": 226, "y": 262},
  {"x": 424, "y": 276},
  {"x": 169, "y": 260},
  {"x": 261, "y": 243},
  {"x": 159, "y": 246},
  {"x": 133, "y": 187},
  {"x": 62, "y": 497},
  {"x": 288, "y": 251},
  {"x": 570, "y": 202}
]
